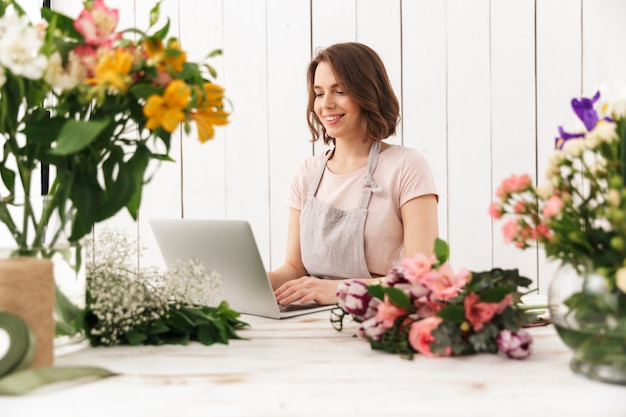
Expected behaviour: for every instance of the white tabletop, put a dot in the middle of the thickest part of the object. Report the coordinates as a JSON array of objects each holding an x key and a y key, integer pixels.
[{"x": 303, "y": 367}]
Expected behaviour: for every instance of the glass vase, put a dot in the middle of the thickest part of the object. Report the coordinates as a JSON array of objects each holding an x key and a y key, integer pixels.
[
  {"x": 66, "y": 257},
  {"x": 589, "y": 314}
]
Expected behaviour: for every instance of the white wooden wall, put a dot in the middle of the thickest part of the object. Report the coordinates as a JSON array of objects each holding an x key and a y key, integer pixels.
[{"x": 483, "y": 85}]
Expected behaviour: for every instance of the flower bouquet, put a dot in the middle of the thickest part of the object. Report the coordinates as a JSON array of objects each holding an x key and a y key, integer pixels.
[
  {"x": 126, "y": 305},
  {"x": 578, "y": 216},
  {"x": 423, "y": 306},
  {"x": 97, "y": 106}
]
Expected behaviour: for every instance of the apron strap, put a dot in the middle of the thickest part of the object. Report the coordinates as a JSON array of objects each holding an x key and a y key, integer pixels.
[
  {"x": 320, "y": 172},
  {"x": 369, "y": 186}
]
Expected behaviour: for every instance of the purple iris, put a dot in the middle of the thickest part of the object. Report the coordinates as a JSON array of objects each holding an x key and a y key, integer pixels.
[
  {"x": 564, "y": 137},
  {"x": 585, "y": 111}
]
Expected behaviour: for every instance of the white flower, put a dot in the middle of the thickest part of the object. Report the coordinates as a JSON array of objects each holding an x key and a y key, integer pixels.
[
  {"x": 574, "y": 147},
  {"x": 620, "y": 279},
  {"x": 19, "y": 48},
  {"x": 612, "y": 101},
  {"x": 613, "y": 197},
  {"x": 603, "y": 132},
  {"x": 545, "y": 190},
  {"x": 64, "y": 80},
  {"x": 554, "y": 163}
]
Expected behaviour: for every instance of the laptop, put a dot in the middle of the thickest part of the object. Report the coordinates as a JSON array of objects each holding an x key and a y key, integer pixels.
[{"x": 229, "y": 248}]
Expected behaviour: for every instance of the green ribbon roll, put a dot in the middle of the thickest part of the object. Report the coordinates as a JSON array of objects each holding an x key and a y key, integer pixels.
[
  {"x": 15, "y": 379},
  {"x": 22, "y": 344}
]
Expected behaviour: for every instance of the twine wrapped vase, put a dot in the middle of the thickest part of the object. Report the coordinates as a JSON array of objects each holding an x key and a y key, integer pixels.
[{"x": 27, "y": 290}]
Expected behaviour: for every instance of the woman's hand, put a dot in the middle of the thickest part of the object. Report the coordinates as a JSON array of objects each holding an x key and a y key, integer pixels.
[{"x": 306, "y": 290}]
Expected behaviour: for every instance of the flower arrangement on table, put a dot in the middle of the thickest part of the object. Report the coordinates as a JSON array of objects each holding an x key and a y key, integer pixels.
[
  {"x": 126, "y": 305},
  {"x": 578, "y": 216},
  {"x": 96, "y": 105},
  {"x": 423, "y": 306}
]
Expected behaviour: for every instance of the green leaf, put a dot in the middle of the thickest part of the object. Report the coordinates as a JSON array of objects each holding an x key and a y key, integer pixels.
[
  {"x": 161, "y": 34},
  {"x": 494, "y": 295},
  {"x": 377, "y": 291},
  {"x": 76, "y": 135},
  {"x": 155, "y": 13},
  {"x": 454, "y": 313},
  {"x": 442, "y": 250},
  {"x": 398, "y": 297}
]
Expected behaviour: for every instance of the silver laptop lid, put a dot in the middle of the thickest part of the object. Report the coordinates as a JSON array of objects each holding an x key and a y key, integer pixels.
[{"x": 227, "y": 247}]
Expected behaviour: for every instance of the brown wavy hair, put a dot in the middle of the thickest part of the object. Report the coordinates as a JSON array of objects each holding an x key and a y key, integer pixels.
[{"x": 363, "y": 77}]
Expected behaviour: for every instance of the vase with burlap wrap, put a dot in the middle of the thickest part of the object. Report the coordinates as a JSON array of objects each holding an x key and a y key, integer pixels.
[{"x": 27, "y": 290}]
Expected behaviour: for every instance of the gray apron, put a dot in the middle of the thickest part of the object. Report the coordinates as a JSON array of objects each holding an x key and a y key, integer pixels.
[{"x": 332, "y": 240}]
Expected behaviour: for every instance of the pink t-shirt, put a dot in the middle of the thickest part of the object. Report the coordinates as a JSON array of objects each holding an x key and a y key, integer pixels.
[{"x": 402, "y": 173}]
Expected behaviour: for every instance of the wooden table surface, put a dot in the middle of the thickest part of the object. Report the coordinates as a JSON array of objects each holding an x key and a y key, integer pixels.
[{"x": 303, "y": 367}]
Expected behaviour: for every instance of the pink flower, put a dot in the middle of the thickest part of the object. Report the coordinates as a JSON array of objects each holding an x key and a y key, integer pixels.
[
  {"x": 543, "y": 231},
  {"x": 443, "y": 283},
  {"x": 513, "y": 184},
  {"x": 519, "y": 207},
  {"x": 88, "y": 58},
  {"x": 509, "y": 231},
  {"x": 97, "y": 24},
  {"x": 478, "y": 313},
  {"x": 504, "y": 303},
  {"x": 515, "y": 345},
  {"x": 416, "y": 266},
  {"x": 388, "y": 313},
  {"x": 553, "y": 206},
  {"x": 420, "y": 335},
  {"x": 496, "y": 211},
  {"x": 427, "y": 309}
]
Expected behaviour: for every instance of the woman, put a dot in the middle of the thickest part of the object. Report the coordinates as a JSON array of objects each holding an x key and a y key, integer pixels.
[{"x": 359, "y": 208}]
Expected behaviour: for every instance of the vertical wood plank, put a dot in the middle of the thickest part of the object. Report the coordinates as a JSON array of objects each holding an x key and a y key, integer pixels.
[
  {"x": 424, "y": 90},
  {"x": 246, "y": 137},
  {"x": 203, "y": 165},
  {"x": 469, "y": 133},
  {"x": 288, "y": 54},
  {"x": 378, "y": 25},
  {"x": 162, "y": 195},
  {"x": 604, "y": 34},
  {"x": 330, "y": 28},
  {"x": 558, "y": 81},
  {"x": 512, "y": 113}
]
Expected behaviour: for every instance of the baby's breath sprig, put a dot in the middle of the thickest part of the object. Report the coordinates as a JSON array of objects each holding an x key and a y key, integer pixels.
[{"x": 131, "y": 305}]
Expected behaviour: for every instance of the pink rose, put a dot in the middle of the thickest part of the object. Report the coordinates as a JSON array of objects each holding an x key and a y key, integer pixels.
[
  {"x": 416, "y": 266},
  {"x": 478, "y": 313},
  {"x": 98, "y": 24},
  {"x": 443, "y": 283},
  {"x": 420, "y": 335},
  {"x": 509, "y": 231},
  {"x": 553, "y": 206},
  {"x": 543, "y": 231},
  {"x": 519, "y": 207},
  {"x": 513, "y": 184},
  {"x": 496, "y": 211}
]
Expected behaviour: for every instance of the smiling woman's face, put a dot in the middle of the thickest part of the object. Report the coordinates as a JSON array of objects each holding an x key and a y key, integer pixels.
[{"x": 340, "y": 114}]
